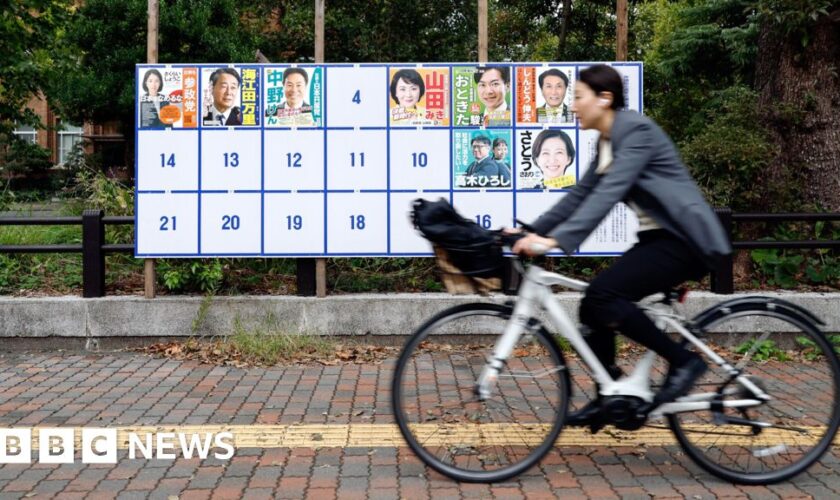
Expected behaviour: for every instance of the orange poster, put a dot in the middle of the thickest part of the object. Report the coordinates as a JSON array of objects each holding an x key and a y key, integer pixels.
[{"x": 526, "y": 111}]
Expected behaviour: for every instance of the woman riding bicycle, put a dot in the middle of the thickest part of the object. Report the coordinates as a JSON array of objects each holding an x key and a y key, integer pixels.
[{"x": 680, "y": 237}]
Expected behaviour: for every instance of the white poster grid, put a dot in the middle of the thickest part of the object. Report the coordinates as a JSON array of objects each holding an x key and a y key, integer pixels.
[{"x": 284, "y": 218}]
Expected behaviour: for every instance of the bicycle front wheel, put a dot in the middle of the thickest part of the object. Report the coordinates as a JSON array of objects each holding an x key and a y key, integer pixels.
[
  {"x": 442, "y": 418},
  {"x": 789, "y": 359}
]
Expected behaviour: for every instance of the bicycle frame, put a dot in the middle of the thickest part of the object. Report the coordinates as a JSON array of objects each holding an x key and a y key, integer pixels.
[{"x": 535, "y": 293}]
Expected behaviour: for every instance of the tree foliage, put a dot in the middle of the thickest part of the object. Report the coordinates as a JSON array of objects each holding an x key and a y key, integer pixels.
[
  {"x": 33, "y": 52},
  {"x": 106, "y": 34},
  {"x": 695, "y": 49},
  {"x": 700, "y": 55},
  {"x": 375, "y": 31},
  {"x": 797, "y": 18},
  {"x": 732, "y": 150},
  {"x": 522, "y": 30}
]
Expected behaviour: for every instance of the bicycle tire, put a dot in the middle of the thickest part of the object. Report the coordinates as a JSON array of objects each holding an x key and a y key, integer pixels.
[
  {"x": 802, "y": 428},
  {"x": 435, "y": 373}
]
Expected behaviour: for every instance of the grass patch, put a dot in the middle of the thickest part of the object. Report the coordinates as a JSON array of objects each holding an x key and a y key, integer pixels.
[
  {"x": 201, "y": 316},
  {"x": 42, "y": 274},
  {"x": 564, "y": 344},
  {"x": 41, "y": 235},
  {"x": 58, "y": 273},
  {"x": 268, "y": 344}
]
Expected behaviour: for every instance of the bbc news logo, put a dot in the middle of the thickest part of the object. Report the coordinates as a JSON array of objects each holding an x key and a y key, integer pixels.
[{"x": 99, "y": 446}]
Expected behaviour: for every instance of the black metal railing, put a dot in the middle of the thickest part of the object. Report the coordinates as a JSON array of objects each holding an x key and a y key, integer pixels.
[
  {"x": 94, "y": 248},
  {"x": 723, "y": 278}
]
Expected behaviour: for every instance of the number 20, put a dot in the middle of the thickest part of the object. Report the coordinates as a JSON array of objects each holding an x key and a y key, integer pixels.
[{"x": 230, "y": 222}]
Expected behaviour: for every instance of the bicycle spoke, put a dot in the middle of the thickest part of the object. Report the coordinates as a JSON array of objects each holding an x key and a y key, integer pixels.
[
  {"x": 774, "y": 439},
  {"x": 460, "y": 435}
]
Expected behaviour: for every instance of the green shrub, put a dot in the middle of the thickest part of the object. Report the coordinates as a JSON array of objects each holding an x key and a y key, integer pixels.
[
  {"x": 194, "y": 275},
  {"x": 91, "y": 190},
  {"x": 22, "y": 158},
  {"x": 791, "y": 268},
  {"x": 764, "y": 350},
  {"x": 9, "y": 269},
  {"x": 95, "y": 190},
  {"x": 810, "y": 349},
  {"x": 727, "y": 154}
]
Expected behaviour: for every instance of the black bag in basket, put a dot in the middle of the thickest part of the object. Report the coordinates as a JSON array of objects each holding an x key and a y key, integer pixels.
[{"x": 470, "y": 247}]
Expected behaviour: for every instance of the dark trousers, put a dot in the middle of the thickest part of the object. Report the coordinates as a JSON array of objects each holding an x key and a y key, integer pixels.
[{"x": 657, "y": 263}]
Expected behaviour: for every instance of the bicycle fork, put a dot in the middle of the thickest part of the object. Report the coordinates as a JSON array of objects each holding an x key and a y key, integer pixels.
[
  {"x": 501, "y": 351},
  {"x": 516, "y": 326}
]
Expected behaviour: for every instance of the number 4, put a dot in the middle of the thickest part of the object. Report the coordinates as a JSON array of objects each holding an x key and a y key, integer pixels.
[{"x": 357, "y": 97}]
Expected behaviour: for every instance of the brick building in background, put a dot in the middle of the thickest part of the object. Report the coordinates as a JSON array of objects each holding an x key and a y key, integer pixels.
[{"x": 59, "y": 137}]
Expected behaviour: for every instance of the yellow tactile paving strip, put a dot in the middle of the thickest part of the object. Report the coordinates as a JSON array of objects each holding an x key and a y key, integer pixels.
[{"x": 388, "y": 435}]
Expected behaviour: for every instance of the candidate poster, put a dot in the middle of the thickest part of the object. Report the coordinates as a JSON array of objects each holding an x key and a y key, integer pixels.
[
  {"x": 544, "y": 95},
  {"x": 546, "y": 159},
  {"x": 231, "y": 96},
  {"x": 168, "y": 97},
  {"x": 482, "y": 159},
  {"x": 419, "y": 96},
  {"x": 482, "y": 96},
  {"x": 294, "y": 97}
]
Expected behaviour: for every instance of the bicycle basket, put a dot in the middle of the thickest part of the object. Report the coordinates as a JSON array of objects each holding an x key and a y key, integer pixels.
[
  {"x": 456, "y": 282},
  {"x": 462, "y": 246}
]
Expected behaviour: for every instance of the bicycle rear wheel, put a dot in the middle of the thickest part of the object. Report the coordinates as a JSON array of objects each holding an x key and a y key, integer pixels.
[
  {"x": 789, "y": 359},
  {"x": 443, "y": 420}
]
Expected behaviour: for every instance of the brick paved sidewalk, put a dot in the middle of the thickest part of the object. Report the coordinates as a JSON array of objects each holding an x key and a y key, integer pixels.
[{"x": 129, "y": 390}]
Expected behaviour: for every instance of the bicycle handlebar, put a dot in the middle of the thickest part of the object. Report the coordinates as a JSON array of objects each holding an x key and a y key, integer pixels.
[{"x": 509, "y": 239}]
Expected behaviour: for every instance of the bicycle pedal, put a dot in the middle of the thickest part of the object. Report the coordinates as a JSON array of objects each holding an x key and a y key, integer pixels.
[{"x": 594, "y": 427}]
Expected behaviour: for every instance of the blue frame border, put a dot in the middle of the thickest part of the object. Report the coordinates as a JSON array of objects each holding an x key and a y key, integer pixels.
[{"x": 326, "y": 191}]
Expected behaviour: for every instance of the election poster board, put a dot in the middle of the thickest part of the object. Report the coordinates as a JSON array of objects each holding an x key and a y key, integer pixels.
[{"x": 325, "y": 160}]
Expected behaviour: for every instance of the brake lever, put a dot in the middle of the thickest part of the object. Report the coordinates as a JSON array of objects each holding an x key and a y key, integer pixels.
[{"x": 525, "y": 226}]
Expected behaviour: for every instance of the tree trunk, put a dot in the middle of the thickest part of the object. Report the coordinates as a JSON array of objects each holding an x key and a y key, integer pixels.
[
  {"x": 564, "y": 29},
  {"x": 799, "y": 98}
]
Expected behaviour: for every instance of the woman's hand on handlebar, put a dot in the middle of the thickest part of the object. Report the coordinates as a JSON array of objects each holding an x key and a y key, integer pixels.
[{"x": 533, "y": 245}]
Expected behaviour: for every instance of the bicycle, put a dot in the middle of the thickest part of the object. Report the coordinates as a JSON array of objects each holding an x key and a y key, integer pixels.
[{"x": 480, "y": 391}]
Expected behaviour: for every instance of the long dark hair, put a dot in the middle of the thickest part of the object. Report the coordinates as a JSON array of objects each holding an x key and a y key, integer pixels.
[{"x": 146, "y": 79}]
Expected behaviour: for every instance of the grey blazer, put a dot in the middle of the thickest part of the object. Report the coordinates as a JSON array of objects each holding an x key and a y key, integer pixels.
[{"x": 647, "y": 170}]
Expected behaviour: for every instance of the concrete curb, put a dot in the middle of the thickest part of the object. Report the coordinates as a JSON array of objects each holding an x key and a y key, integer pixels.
[{"x": 363, "y": 314}]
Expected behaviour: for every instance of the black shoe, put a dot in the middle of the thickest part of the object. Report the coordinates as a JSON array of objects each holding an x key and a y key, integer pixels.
[
  {"x": 586, "y": 416},
  {"x": 681, "y": 378}
]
